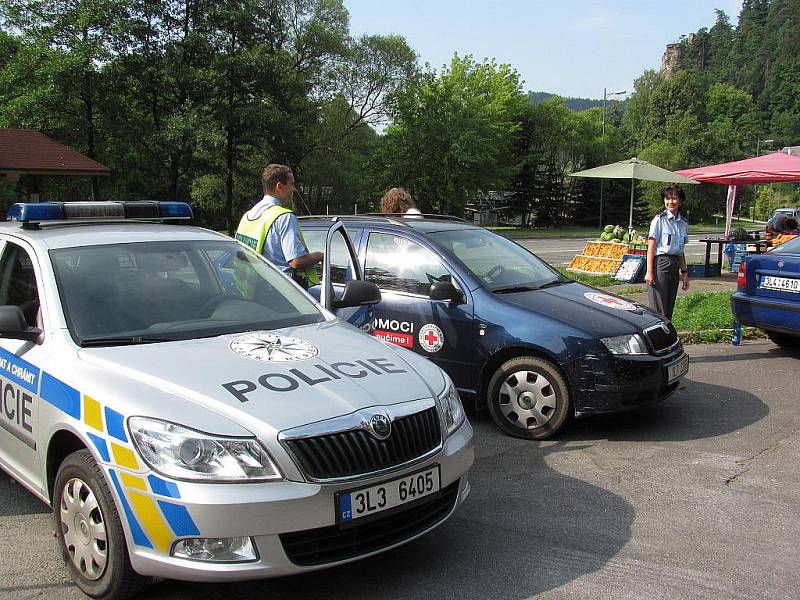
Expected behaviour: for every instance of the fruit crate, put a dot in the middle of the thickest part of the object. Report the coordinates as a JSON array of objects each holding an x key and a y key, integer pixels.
[
  {"x": 605, "y": 250},
  {"x": 637, "y": 249},
  {"x": 594, "y": 265}
]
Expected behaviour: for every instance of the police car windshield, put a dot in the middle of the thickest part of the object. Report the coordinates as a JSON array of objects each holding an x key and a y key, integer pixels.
[
  {"x": 160, "y": 291},
  {"x": 499, "y": 263}
]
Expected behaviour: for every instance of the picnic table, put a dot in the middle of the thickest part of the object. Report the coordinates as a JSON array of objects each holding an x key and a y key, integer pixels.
[{"x": 760, "y": 246}]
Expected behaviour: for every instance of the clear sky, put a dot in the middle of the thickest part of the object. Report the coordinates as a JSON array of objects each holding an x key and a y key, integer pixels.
[{"x": 566, "y": 47}]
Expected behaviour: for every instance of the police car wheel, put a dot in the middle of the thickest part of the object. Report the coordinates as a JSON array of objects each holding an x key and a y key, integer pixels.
[
  {"x": 89, "y": 531},
  {"x": 783, "y": 340},
  {"x": 528, "y": 398}
]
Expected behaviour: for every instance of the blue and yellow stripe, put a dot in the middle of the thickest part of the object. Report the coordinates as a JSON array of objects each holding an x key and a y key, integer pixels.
[{"x": 154, "y": 521}]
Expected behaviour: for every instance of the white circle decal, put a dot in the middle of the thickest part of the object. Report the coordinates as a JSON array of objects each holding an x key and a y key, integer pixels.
[
  {"x": 265, "y": 346},
  {"x": 610, "y": 301},
  {"x": 431, "y": 338}
]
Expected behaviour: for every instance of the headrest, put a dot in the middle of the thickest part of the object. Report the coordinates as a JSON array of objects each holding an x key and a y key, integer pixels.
[
  {"x": 97, "y": 261},
  {"x": 161, "y": 262}
]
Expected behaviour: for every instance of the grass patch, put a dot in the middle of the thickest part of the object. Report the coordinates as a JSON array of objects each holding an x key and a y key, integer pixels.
[
  {"x": 704, "y": 318},
  {"x": 700, "y": 311},
  {"x": 629, "y": 290},
  {"x": 593, "y": 280}
]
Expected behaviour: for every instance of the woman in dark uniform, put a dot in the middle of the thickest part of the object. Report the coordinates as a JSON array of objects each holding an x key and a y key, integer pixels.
[{"x": 666, "y": 264}]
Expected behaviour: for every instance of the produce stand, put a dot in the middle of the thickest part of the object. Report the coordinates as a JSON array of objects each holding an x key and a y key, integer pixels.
[{"x": 599, "y": 258}]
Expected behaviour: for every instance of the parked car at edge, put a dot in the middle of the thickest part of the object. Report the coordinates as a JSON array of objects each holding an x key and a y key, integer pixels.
[
  {"x": 768, "y": 294},
  {"x": 791, "y": 213},
  {"x": 511, "y": 331},
  {"x": 183, "y": 427}
]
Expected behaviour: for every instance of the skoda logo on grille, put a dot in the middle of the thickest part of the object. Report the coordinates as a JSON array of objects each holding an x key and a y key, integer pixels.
[
  {"x": 379, "y": 426},
  {"x": 665, "y": 327}
]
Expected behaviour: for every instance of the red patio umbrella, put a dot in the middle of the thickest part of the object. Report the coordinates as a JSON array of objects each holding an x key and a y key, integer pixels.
[{"x": 770, "y": 168}]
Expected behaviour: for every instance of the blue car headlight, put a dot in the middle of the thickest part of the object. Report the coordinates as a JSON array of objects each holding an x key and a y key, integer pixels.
[
  {"x": 451, "y": 408},
  {"x": 625, "y": 344}
]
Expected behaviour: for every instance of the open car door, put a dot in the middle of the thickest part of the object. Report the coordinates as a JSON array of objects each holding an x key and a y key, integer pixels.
[{"x": 352, "y": 301}]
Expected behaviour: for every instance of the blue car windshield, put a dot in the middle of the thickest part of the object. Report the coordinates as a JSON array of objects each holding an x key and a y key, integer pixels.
[
  {"x": 499, "y": 263},
  {"x": 790, "y": 247},
  {"x": 145, "y": 292}
]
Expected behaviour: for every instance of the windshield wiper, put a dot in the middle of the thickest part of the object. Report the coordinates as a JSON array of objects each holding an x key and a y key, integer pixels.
[
  {"x": 512, "y": 289},
  {"x": 554, "y": 283},
  {"x": 130, "y": 340}
]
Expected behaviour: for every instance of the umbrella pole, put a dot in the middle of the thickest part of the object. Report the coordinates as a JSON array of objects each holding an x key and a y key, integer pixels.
[{"x": 630, "y": 215}]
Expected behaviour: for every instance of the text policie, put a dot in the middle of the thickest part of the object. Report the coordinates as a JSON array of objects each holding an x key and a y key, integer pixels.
[
  {"x": 314, "y": 374},
  {"x": 15, "y": 409}
]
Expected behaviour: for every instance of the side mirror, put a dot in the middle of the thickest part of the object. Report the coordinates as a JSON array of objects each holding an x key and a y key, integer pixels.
[
  {"x": 445, "y": 290},
  {"x": 358, "y": 293},
  {"x": 13, "y": 325}
]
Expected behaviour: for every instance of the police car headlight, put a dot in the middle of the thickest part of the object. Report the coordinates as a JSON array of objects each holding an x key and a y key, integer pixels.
[
  {"x": 625, "y": 344},
  {"x": 182, "y": 453},
  {"x": 451, "y": 407}
]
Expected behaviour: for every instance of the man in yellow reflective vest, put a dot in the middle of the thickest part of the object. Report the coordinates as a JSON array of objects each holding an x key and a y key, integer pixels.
[{"x": 271, "y": 229}]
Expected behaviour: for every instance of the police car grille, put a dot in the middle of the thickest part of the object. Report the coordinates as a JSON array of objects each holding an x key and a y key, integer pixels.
[
  {"x": 357, "y": 452},
  {"x": 662, "y": 340},
  {"x": 340, "y": 542}
]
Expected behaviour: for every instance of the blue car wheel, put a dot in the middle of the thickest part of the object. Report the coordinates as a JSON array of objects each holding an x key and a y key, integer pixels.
[{"x": 528, "y": 398}]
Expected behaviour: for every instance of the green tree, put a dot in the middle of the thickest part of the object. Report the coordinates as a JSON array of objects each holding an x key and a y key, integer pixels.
[
  {"x": 54, "y": 82},
  {"x": 720, "y": 44},
  {"x": 637, "y": 112},
  {"x": 159, "y": 115},
  {"x": 452, "y": 134}
]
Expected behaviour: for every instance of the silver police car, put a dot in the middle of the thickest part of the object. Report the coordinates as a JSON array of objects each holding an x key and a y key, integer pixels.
[{"x": 191, "y": 413}]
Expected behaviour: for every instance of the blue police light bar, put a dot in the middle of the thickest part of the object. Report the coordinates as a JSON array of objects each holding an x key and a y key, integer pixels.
[{"x": 38, "y": 212}]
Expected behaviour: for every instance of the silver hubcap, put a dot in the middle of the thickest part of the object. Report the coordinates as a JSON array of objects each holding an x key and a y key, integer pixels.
[
  {"x": 84, "y": 529},
  {"x": 527, "y": 399}
]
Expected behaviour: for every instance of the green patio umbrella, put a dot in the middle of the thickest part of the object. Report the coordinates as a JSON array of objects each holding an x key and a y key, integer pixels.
[{"x": 634, "y": 169}]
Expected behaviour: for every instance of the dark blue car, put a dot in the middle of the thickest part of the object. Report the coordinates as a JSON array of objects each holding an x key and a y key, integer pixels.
[
  {"x": 768, "y": 295},
  {"x": 513, "y": 333}
]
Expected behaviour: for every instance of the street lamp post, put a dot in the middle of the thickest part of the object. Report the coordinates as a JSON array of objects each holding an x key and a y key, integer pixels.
[
  {"x": 758, "y": 145},
  {"x": 606, "y": 94}
]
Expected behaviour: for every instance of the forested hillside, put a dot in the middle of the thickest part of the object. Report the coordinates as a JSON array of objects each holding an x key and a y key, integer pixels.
[
  {"x": 188, "y": 99},
  {"x": 576, "y": 104},
  {"x": 736, "y": 91}
]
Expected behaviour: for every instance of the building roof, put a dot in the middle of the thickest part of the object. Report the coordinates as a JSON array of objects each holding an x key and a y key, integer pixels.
[{"x": 30, "y": 152}]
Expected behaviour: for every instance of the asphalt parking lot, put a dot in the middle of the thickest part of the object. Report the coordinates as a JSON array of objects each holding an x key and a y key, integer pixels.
[{"x": 697, "y": 497}]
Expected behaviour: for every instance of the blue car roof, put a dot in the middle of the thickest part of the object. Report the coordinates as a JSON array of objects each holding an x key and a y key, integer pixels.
[{"x": 427, "y": 224}]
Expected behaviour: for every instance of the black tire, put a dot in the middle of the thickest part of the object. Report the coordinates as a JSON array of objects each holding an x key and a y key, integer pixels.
[
  {"x": 84, "y": 513},
  {"x": 528, "y": 398},
  {"x": 784, "y": 340}
]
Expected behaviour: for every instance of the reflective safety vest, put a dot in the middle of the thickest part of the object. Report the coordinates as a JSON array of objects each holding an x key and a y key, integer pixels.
[{"x": 253, "y": 233}]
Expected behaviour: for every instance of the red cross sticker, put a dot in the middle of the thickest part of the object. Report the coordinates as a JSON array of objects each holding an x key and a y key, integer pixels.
[{"x": 431, "y": 338}]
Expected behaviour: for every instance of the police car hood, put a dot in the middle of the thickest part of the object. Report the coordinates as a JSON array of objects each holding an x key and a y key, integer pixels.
[
  {"x": 285, "y": 378},
  {"x": 591, "y": 310}
]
